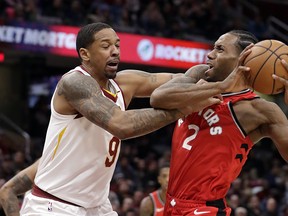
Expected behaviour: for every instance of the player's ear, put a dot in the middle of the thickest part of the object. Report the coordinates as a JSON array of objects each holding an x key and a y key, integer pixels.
[{"x": 84, "y": 54}]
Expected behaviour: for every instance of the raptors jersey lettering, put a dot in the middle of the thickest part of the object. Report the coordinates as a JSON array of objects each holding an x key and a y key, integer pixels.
[
  {"x": 209, "y": 149},
  {"x": 72, "y": 144},
  {"x": 158, "y": 203}
]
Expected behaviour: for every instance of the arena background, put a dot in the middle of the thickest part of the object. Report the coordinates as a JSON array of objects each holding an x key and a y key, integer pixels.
[{"x": 31, "y": 67}]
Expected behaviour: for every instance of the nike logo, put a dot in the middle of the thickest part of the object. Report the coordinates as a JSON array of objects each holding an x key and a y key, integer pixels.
[
  {"x": 159, "y": 209},
  {"x": 196, "y": 212}
]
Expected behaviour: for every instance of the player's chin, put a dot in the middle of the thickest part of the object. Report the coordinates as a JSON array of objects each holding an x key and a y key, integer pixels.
[{"x": 111, "y": 74}]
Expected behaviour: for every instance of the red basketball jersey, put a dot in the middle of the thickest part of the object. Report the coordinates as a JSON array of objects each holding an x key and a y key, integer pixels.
[
  {"x": 158, "y": 203},
  {"x": 209, "y": 149}
]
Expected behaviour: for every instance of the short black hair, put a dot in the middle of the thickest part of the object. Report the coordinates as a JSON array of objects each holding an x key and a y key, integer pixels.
[
  {"x": 162, "y": 166},
  {"x": 245, "y": 38},
  {"x": 85, "y": 36}
]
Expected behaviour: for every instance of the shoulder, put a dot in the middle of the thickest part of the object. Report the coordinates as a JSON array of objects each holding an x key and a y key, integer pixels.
[
  {"x": 147, "y": 200},
  {"x": 259, "y": 104},
  {"x": 265, "y": 107},
  {"x": 146, "y": 205},
  {"x": 72, "y": 82},
  {"x": 74, "y": 77},
  {"x": 258, "y": 113}
]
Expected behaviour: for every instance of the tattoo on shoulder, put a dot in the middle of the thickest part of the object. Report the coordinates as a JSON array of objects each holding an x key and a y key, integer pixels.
[{"x": 77, "y": 87}]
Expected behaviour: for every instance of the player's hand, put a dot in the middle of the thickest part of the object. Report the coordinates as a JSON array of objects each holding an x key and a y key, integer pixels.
[
  {"x": 203, "y": 82},
  {"x": 283, "y": 81},
  {"x": 238, "y": 73},
  {"x": 200, "y": 105},
  {"x": 197, "y": 72}
]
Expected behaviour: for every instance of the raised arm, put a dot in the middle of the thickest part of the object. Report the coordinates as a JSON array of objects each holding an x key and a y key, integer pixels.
[
  {"x": 19, "y": 184},
  {"x": 136, "y": 83},
  {"x": 179, "y": 92}
]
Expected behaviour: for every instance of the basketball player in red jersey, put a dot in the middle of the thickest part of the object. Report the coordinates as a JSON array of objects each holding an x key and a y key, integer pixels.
[
  {"x": 210, "y": 147},
  {"x": 153, "y": 205}
]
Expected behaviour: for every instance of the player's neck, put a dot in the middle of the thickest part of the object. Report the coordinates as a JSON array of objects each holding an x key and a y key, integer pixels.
[
  {"x": 240, "y": 86},
  {"x": 162, "y": 194}
]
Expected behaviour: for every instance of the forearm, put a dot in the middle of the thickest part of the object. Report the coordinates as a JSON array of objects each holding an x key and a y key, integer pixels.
[
  {"x": 134, "y": 123},
  {"x": 179, "y": 95},
  {"x": 18, "y": 185},
  {"x": 9, "y": 202}
]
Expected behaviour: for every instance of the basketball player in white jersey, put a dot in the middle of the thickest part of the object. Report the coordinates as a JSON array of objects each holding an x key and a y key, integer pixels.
[{"x": 88, "y": 120}]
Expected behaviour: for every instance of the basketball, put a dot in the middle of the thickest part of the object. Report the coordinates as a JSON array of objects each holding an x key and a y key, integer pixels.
[{"x": 265, "y": 60}]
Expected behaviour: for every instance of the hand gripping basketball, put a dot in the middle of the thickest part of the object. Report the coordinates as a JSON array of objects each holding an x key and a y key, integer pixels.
[{"x": 265, "y": 60}]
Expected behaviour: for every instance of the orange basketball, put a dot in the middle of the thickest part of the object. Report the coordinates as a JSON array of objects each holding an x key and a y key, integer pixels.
[{"x": 265, "y": 60}]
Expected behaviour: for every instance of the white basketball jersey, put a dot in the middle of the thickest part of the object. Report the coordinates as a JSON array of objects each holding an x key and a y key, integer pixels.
[{"x": 79, "y": 158}]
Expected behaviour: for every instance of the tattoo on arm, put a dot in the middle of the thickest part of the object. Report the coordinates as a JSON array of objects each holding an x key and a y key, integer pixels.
[
  {"x": 19, "y": 185},
  {"x": 85, "y": 95}
]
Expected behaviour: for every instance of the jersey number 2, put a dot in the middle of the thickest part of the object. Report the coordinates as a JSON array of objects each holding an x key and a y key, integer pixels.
[
  {"x": 113, "y": 150},
  {"x": 191, "y": 137}
]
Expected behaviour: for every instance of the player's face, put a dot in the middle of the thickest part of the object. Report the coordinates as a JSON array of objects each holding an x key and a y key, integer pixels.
[
  {"x": 223, "y": 58},
  {"x": 164, "y": 177},
  {"x": 104, "y": 53}
]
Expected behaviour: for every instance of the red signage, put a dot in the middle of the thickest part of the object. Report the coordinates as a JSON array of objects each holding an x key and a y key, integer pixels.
[
  {"x": 2, "y": 57},
  {"x": 163, "y": 52},
  {"x": 137, "y": 49}
]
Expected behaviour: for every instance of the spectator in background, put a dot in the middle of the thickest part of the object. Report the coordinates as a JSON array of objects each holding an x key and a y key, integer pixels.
[
  {"x": 257, "y": 26},
  {"x": 152, "y": 20},
  {"x": 128, "y": 204},
  {"x": 254, "y": 206},
  {"x": 75, "y": 14},
  {"x": 241, "y": 211},
  {"x": 271, "y": 208},
  {"x": 19, "y": 161},
  {"x": 284, "y": 211},
  {"x": 234, "y": 203},
  {"x": 113, "y": 197}
]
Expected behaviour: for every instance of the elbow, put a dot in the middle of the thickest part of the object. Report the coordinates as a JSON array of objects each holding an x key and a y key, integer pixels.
[
  {"x": 122, "y": 131},
  {"x": 4, "y": 191}
]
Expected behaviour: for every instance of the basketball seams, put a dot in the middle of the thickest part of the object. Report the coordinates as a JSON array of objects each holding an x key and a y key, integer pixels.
[
  {"x": 275, "y": 63},
  {"x": 250, "y": 59},
  {"x": 260, "y": 69},
  {"x": 263, "y": 64}
]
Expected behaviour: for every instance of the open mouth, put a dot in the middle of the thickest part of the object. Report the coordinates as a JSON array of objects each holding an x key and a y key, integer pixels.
[
  {"x": 210, "y": 65},
  {"x": 113, "y": 64}
]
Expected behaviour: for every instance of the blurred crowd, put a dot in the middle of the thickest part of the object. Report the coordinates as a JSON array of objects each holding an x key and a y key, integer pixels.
[
  {"x": 183, "y": 19},
  {"x": 262, "y": 187}
]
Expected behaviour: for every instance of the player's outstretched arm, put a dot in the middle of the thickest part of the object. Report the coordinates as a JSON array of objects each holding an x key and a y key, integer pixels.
[
  {"x": 82, "y": 94},
  {"x": 284, "y": 81},
  {"x": 182, "y": 91},
  {"x": 19, "y": 184}
]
